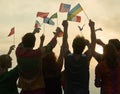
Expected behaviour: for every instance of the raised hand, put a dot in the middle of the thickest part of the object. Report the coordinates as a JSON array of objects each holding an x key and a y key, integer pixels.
[
  {"x": 42, "y": 38},
  {"x": 36, "y": 30},
  {"x": 10, "y": 49}
]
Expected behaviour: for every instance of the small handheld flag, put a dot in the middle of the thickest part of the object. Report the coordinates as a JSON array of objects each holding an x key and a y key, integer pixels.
[
  {"x": 54, "y": 16},
  {"x": 12, "y": 31},
  {"x": 42, "y": 14},
  {"x": 59, "y": 32},
  {"x": 37, "y": 24},
  {"x": 48, "y": 21},
  {"x": 74, "y": 11},
  {"x": 75, "y": 19},
  {"x": 64, "y": 7}
]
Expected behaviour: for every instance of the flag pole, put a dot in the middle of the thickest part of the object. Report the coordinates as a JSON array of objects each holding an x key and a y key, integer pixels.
[
  {"x": 57, "y": 22},
  {"x": 14, "y": 39},
  {"x": 44, "y": 29},
  {"x": 86, "y": 15}
]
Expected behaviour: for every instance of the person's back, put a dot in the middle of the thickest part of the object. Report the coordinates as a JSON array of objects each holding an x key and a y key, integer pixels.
[
  {"x": 8, "y": 82},
  {"x": 29, "y": 63},
  {"x": 77, "y": 65},
  {"x": 52, "y": 74},
  {"x": 8, "y": 79},
  {"x": 52, "y": 65},
  {"x": 110, "y": 79},
  {"x": 107, "y": 73},
  {"x": 77, "y": 74}
]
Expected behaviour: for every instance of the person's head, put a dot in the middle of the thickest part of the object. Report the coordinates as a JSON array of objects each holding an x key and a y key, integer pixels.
[
  {"x": 28, "y": 40},
  {"x": 50, "y": 57},
  {"x": 49, "y": 64},
  {"x": 78, "y": 44},
  {"x": 5, "y": 61},
  {"x": 115, "y": 42},
  {"x": 110, "y": 55}
]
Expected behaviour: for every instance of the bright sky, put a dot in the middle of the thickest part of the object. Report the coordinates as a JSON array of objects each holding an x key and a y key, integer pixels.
[{"x": 21, "y": 14}]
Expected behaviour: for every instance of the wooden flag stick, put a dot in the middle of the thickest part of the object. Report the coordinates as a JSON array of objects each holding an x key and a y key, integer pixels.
[
  {"x": 86, "y": 15},
  {"x": 14, "y": 39}
]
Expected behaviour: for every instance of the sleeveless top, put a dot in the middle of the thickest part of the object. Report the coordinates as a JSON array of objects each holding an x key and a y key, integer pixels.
[{"x": 76, "y": 75}]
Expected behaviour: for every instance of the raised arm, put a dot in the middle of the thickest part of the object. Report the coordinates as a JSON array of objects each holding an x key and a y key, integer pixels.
[
  {"x": 91, "y": 48},
  {"x": 49, "y": 46},
  {"x": 42, "y": 38},
  {"x": 10, "y": 49},
  {"x": 100, "y": 42},
  {"x": 64, "y": 47},
  {"x": 36, "y": 30}
]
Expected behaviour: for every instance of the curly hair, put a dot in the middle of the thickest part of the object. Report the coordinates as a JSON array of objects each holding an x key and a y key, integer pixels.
[
  {"x": 78, "y": 44},
  {"x": 110, "y": 56}
]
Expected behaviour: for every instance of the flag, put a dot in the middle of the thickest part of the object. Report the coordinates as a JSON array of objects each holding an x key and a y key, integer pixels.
[
  {"x": 48, "y": 21},
  {"x": 42, "y": 14},
  {"x": 54, "y": 16},
  {"x": 12, "y": 31},
  {"x": 64, "y": 7},
  {"x": 37, "y": 24},
  {"x": 59, "y": 32},
  {"x": 75, "y": 19},
  {"x": 74, "y": 11}
]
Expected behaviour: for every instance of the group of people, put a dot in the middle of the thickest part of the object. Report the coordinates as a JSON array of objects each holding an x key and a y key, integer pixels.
[{"x": 38, "y": 71}]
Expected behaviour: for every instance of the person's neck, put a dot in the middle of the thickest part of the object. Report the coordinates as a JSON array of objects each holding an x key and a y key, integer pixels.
[{"x": 76, "y": 56}]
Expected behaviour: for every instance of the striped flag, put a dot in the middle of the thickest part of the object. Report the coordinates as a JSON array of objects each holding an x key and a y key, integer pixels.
[
  {"x": 48, "y": 21},
  {"x": 75, "y": 19},
  {"x": 42, "y": 14},
  {"x": 64, "y": 7},
  {"x": 74, "y": 11},
  {"x": 12, "y": 31},
  {"x": 37, "y": 24}
]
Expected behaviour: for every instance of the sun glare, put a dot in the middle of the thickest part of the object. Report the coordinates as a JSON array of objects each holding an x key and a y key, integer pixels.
[{"x": 99, "y": 49}]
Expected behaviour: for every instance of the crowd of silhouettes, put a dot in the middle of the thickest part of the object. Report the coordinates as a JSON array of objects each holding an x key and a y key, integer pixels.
[{"x": 39, "y": 71}]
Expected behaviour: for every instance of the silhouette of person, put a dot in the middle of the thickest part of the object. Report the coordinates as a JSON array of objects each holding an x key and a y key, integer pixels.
[{"x": 31, "y": 79}]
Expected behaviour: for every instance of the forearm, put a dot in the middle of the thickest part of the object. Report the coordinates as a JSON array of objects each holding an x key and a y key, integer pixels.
[
  {"x": 9, "y": 52},
  {"x": 93, "y": 39}
]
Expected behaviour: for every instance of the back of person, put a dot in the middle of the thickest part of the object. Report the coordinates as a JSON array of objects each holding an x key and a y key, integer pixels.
[
  {"x": 30, "y": 73},
  {"x": 76, "y": 75},
  {"x": 110, "y": 79},
  {"x": 53, "y": 85},
  {"x": 8, "y": 79},
  {"x": 8, "y": 82},
  {"x": 52, "y": 74},
  {"x": 107, "y": 73}
]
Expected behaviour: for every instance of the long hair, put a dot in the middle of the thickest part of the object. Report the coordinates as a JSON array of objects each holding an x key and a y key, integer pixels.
[
  {"x": 110, "y": 56},
  {"x": 49, "y": 64}
]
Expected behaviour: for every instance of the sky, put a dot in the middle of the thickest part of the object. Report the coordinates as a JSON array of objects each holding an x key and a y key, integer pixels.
[{"x": 21, "y": 14}]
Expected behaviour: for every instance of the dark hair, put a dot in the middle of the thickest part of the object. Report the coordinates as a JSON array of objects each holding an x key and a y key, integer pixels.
[
  {"x": 5, "y": 60},
  {"x": 49, "y": 64},
  {"x": 110, "y": 56},
  {"x": 78, "y": 44},
  {"x": 28, "y": 40},
  {"x": 115, "y": 42}
]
